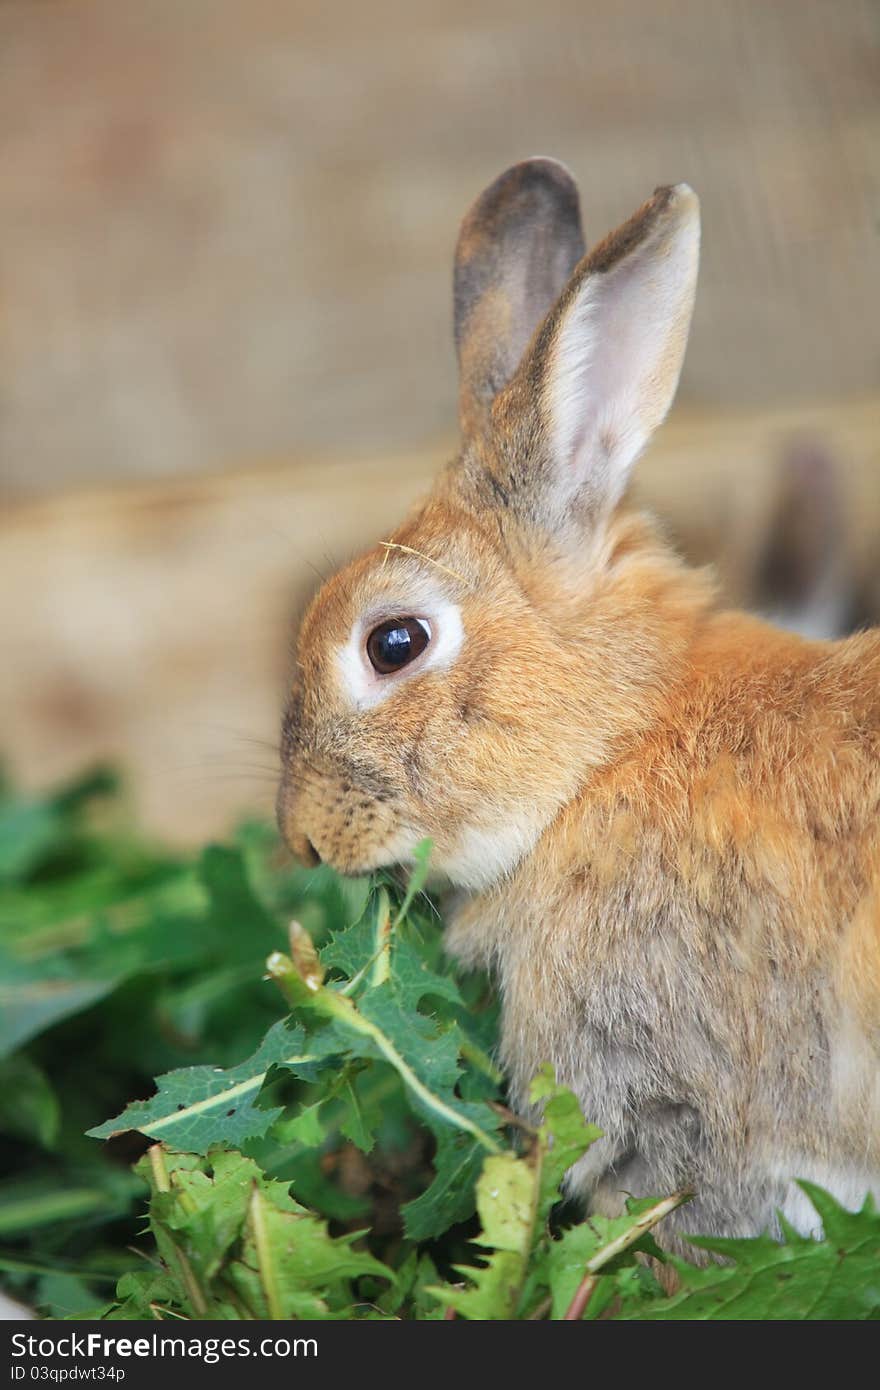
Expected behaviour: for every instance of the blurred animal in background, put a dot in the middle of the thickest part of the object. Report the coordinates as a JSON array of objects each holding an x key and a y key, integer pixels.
[{"x": 805, "y": 575}]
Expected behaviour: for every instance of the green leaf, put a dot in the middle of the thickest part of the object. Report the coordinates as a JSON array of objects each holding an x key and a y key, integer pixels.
[
  {"x": 28, "y": 829},
  {"x": 507, "y": 1195},
  {"x": 306, "y": 1127},
  {"x": 236, "y": 914},
  {"x": 290, "y": 1266},
  {"x": 417, "y": 879},
  {"x": 423, "y": 1056},
  {"x": 198, "y": 1107},
  {"x": 351, "y": 950},
  {"x": 450, "y": 1197},
  {"x": 197, "y": 1214},
  {"x": 413, "y": 980},
  {"x": 143, "y": 1296},
  {"x": 564, "y": 1136},
  {"x": 30, "y": 1006},
  {"x": 29, "y": 1107},
  {"x": 66, "y": 1296},
  {"x": 28, "y": 1204},
  {"x": 598, "y": 1242},
  {"x": 234, "y": 1244},
  {"x": 837, "y": 1277},
  {"x": 354, "y": 1125}
]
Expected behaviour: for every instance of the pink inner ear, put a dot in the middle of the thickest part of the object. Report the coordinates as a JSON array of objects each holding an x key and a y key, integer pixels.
[{"x": 615, "y": 359}]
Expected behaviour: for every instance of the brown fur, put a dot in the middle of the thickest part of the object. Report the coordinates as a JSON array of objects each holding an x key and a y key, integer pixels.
[{"x": 665, "y": 817}]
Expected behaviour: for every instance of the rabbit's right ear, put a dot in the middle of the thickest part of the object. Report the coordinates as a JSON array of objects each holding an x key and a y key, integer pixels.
[
  {"x": 516, "y": 250},
  {"x": 601, "y": 372}
]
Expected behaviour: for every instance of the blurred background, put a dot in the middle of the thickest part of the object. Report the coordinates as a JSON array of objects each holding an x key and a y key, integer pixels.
[{"x": 225, "y": 340}]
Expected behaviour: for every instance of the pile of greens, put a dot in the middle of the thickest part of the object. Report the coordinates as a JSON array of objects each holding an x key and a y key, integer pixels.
[{"x": 327, "y": 1136}]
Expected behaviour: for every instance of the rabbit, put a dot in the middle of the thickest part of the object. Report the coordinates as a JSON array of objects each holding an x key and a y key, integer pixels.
[
  {"x": 804, "y": 574},
  {"x": 658, "y": 819}
]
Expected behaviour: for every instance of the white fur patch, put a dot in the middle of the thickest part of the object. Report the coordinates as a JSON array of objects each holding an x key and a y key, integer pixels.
[
  {"x": 363, "y": 686},
  {"x": 482, "y": 856},
  {"x": 855, "y": 1078},
  {"x": 849, "y": 1184}
]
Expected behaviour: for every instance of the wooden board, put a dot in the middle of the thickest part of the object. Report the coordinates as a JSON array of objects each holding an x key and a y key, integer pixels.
[{"x": 227, "y": 228}]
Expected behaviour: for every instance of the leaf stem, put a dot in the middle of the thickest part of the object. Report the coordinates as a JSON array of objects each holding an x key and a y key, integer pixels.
[
  {"x": 615, "y": 1247},
  {"x": 160, "y": 1172},
  {"x": 264, "y": 1258},
  {"x": 382, "y": 960},
  {"x": 583, "y": 1293}
]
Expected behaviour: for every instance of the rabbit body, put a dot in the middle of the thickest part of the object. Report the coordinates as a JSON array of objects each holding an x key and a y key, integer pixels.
[
  {"x": 693, "y": 940},
  {"x": 661, "y": 818}
]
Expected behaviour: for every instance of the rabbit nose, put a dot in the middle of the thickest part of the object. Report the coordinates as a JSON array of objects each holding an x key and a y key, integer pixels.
[{"x": 287, "y": 816}]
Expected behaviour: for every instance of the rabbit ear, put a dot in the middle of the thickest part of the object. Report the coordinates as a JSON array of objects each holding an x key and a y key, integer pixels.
[
  {"x": 604, "y": 368},
  {"x": 517, "y": 247}
]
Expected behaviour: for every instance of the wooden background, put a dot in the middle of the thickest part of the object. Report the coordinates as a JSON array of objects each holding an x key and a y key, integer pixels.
[{"x": 225, "y": 354}]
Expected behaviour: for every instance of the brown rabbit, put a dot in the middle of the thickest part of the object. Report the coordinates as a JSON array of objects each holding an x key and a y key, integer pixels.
[{"x": 662, "y": 817}]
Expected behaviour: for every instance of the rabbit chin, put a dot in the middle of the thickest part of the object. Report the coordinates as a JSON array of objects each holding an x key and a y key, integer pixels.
[
  {"x": 479, "y": 857},
  {"x": 482, "y": 855}
]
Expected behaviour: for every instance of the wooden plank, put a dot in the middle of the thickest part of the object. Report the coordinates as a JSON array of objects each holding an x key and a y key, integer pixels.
[{"x": 228, "y": 229}]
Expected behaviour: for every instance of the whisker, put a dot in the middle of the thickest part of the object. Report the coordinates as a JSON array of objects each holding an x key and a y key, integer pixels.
[
  {"x": 240, "y": 735},
  {"x": 213, "y": 765}
]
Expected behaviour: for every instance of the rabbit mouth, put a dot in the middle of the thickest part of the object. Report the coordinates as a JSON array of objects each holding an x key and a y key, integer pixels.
[{"x": 355, "y": 860}]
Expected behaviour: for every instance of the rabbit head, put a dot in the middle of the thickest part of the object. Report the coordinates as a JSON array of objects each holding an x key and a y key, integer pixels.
[{"x": 456, "y": 681}]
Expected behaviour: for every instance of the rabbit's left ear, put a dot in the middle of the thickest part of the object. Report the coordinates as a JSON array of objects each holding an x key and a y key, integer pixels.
[
  {"x": 518, "y": 245},
  {"x": 603, "y": 370}
]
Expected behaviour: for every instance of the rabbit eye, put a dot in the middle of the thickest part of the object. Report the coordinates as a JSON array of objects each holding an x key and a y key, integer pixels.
[{"x": 396, "y": 643}]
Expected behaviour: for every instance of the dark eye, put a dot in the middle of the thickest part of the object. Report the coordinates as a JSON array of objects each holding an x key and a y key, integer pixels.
[{"x": 396, "y": 643}]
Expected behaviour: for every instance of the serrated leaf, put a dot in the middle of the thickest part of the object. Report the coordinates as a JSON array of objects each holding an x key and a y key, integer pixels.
[
  {"x": 197, "y": 1107},
  {"x": 354, "y": 1125},
  {"x": 291, "y": 1267},
  {"x": 351, "y": 949},
  {"x": 507, "y": 1194},
  {"x": 564, "y": 1135},
  {"x": 450, "y": 1198},
  {"x": 413, "y": 980},
  {"x": 198, "y": 1214},
  {"x": 425, "y": 1057},
  {"x": 801, "y": 1280},
  {"x": 141, "y": 1295}
]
